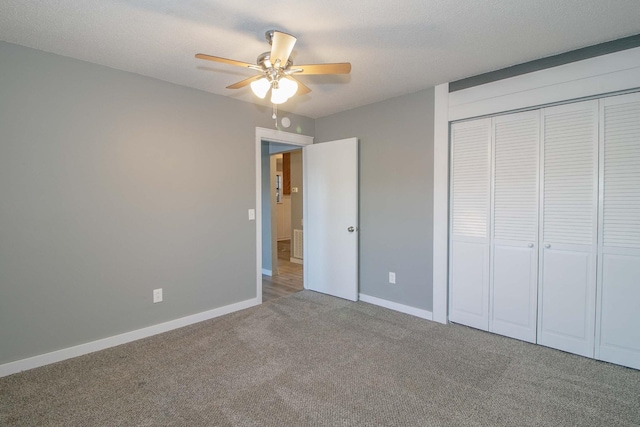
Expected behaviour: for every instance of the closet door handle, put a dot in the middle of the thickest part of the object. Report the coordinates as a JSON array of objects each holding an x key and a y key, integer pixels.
[
  {"x": 547, "y": 245},
  {"x": 530, "y": 245}
]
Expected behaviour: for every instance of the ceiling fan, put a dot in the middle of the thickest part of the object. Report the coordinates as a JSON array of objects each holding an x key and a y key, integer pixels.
[{"x": 276, "y": 69}]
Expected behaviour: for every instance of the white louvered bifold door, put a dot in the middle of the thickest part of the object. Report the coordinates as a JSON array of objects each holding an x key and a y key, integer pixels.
[
  {"x": 568, "y": 227},
  {"x": 618, "y": 314},
  {"x": 469, "y": 223},
  {"x": 514, "y": 256}
]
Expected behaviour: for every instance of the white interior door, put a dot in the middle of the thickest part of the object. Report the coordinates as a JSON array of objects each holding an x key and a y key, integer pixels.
[
  {"x": 514, "y": 256},
  {"x": 618, "y": 314},
  {"x": 566, "y": 311},
  {"x": 469, "y": 222},
  {"x": 331, "y": 218}
]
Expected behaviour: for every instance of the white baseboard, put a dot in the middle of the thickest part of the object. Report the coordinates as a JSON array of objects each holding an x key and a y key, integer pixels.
[
  {"x": 296, "y": 260},
  {"x": 418, "y": 312},
  {"x": 90, "y": 347},
  {"x": 267, "y": 272}
]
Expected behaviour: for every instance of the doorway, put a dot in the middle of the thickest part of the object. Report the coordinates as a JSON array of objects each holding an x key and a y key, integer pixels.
[
  {"x": 269, "y": 141},
  {"x": 286, "y": 232}
]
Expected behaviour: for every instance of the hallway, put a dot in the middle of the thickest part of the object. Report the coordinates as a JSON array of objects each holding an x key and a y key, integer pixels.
[{"x": 289, "y": 279}]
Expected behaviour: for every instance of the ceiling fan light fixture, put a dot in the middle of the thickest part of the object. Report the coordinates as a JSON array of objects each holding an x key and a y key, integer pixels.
[
  {"x": 260, "y": 87},
  {"x": 288, "y": 86},
  {"x": 278, "y": 96}
]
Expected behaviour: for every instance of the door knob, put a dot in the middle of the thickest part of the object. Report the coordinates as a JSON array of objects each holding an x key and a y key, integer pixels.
[
  {"x": 530, "y": 245},
  {"x": 547, "y": 245},
  {"x": 351, "y": 229}
]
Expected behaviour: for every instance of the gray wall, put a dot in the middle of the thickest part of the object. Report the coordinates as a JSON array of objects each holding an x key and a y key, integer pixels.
[
  {"x": 276, "y": 147},
  {"x": 396, "y": 193},
  {"x": 111, "y": 185},
  {"x": 267, "y": 244}
]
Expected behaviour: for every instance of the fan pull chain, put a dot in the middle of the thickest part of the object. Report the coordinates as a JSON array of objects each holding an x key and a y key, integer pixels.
[{"x": 275, "y": 114}]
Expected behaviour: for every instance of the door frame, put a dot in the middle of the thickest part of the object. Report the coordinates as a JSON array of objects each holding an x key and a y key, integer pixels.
[{"x": 269, "y": 135}]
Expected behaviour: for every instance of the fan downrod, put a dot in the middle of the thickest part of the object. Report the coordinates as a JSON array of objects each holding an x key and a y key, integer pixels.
[{"x": 269, "y": 36}]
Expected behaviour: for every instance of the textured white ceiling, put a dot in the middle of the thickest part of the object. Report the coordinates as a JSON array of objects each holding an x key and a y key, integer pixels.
[{"x": 395, "y": 46}]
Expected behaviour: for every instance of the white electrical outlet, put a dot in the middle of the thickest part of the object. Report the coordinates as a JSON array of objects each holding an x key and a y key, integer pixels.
[
  {"x": 157, "y": 295},
  {"x": 252, "y": 214},
  {"x": 392, "y": 277}
]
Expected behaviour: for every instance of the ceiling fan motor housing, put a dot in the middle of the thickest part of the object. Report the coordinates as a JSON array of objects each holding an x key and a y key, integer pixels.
[{"x": 264, "y": 60}]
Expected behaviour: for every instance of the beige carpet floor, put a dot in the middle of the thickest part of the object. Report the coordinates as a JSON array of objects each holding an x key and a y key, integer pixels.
[{"x": 313, "y": 360}]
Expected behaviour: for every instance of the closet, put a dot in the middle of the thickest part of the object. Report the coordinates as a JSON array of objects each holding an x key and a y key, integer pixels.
[{"x": 545, "y": 227}]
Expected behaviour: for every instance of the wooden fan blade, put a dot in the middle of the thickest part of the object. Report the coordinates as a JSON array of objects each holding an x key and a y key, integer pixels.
[
  {"x": 245, "y": 82},
  {"x": 281, "y": 47},
  {"x": 225, "y": 60},
  {"x": 337, "y": 68},
  {"x": 302, "y": 88}
]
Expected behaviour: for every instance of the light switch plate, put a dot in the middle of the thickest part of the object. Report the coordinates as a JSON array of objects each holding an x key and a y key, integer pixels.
[
  {"x": 252, "y": 214},
  {"x": 392, "y": 277}
]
